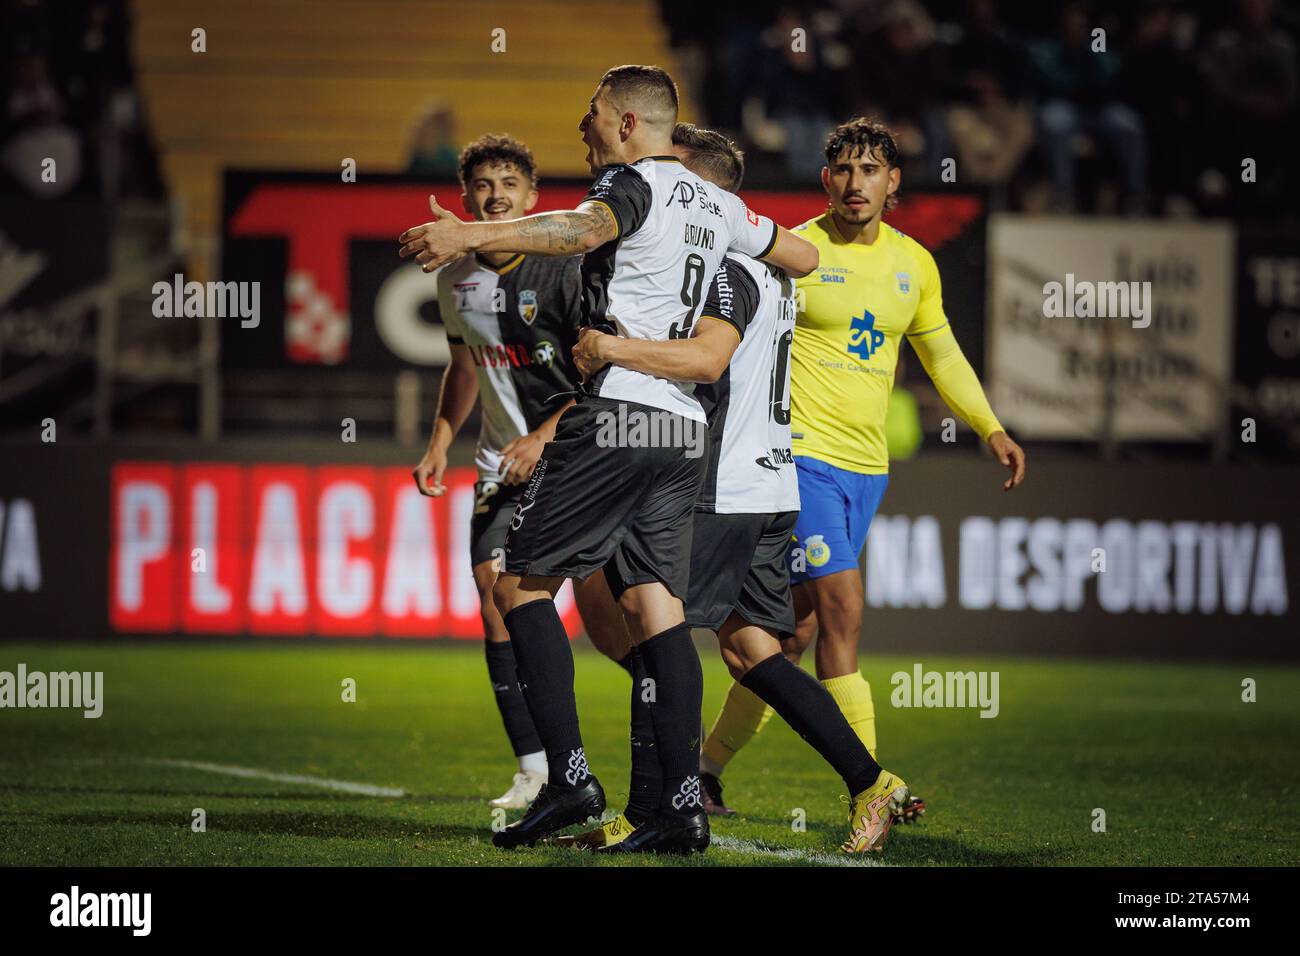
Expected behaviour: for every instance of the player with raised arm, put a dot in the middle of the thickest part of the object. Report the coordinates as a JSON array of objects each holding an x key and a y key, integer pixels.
[
  {"x": 873, "y": 286},
  {"x": 740, "y": 584},
  {"x": 609, "y": 491},
  {"x": 511, "y": 322}
]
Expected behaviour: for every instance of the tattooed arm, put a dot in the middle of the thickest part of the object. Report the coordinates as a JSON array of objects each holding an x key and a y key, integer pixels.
[{"x": 565, "y": 233}]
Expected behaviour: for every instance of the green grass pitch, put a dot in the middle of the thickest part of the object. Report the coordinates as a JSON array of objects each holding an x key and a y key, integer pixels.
[{"x": 1186, "y": 772}]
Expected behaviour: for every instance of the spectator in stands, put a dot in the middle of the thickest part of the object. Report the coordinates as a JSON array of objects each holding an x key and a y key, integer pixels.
[
  {"x": 985, "y": 46},
  {"x": 1077, "y": 93},
  {"x": 34, "y": 135},
  {"x": 1159, "y": 80},
  {"x": 1252, "y": 73},
  {"x": 800, "y": 92},
  {"x": 990, "y": 123},
  {"x": 901, "y": 77},
  {"x": 433, "y": 143}
]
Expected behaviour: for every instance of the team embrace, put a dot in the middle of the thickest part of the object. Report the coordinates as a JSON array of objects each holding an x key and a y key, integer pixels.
[{"x": 662, "y": 298}]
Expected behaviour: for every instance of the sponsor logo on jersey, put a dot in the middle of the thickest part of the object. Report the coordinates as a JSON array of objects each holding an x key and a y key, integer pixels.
[
  {"x": 774, "y": 459},
  {"x": 462, "y": 291},
  {"x": 817, "y": 550},
  {"x": 864, "y": 339},
  {"x": 751, "y": 216},
  {"x": 544, "y": 353},
  {"x": 683, "y": 192},
  {"x": 604, "y": 184},
  {"x": 512, "y": 355},
  {"x": 528, "y": 306}
]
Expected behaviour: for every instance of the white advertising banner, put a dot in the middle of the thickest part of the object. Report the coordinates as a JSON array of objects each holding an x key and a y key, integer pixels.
[{"x": 1109, "y": 324}]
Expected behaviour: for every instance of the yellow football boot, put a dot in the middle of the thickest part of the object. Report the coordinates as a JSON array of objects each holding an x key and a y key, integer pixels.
[
  {"x": 872, "y": 812},
  {"x": 607, "y": 834}
]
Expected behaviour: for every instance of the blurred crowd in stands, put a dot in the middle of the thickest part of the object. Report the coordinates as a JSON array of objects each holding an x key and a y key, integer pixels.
[
  {"x": 1114, "y": 106},
  {"x": 1118, "y": 106},
  {"x": 67, "y": 96}
]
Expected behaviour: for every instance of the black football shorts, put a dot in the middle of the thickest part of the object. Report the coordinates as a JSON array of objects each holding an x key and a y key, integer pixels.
[
  {"x": 738, "y": 563},
  {"x": 494, "y": 504},
  {"x": 605, "y": 496}
]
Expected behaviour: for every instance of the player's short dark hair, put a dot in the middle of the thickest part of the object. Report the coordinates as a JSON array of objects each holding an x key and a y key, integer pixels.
[
  {"x": 711, "y": 155},
  {"x": 644, "y": 88},
  {"x": 497, "y": 150},
  {"x": 859, "y": 136}
]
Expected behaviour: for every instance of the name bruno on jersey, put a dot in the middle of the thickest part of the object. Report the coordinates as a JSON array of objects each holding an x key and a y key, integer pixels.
[{"x": 649, "y": 282}]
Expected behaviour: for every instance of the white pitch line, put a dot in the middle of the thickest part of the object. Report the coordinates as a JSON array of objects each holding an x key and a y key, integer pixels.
[
  {"x": 344, "y": 786},
  {"x": 792, "y": 854},
  {"x": 370, "y": 790}
]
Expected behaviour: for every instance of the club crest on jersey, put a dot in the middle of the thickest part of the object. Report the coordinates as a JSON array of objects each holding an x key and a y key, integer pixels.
[
  {"x": 817, "y": 550},
  {"x": 904, "y": 282},
  {"x": 528, "y": 306}
]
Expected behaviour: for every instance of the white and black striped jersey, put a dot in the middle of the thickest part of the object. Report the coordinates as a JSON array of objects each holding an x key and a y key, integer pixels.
[
  {"x": 649, "y": 283},
  {"x": 750, "y": 469},
  {"x": 519, "y": 322}
]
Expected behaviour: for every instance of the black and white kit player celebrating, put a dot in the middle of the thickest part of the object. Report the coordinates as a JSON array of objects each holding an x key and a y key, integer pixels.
[
  {"x": 653, "y": 234},
  {"x": 744, "y": 516},
  {"x": 511, "y": 321}
]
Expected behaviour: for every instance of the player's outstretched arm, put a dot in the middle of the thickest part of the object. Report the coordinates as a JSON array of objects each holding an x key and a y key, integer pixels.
[
  {"x": 563, "y": 233},
  {"x": 701, "y": 358},
  {"x": 795, "y": 255},
  {"x": 456, "y": 398},
  {"x": 960, "y": 389}
]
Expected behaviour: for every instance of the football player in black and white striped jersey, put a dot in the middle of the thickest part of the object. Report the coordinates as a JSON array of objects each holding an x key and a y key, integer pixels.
[
  {"x": 744, "y": 517},
  {"x": 511, "y": 322},
  {"x": 615, "y": 490}
]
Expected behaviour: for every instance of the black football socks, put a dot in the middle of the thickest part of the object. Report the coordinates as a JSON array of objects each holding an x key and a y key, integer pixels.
[
  {"x": 545, "y": 665},
  {"x": 676, "y": 692},
  {"x": 806, "y": 706},
  {"x": 647, "y": 776},
  {"x": 510, "y": 701}
]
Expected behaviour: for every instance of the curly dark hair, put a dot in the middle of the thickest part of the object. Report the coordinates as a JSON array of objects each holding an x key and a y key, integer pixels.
[
  {"x": 859, "y": 136},
  {"x": 496, "y": 150}
]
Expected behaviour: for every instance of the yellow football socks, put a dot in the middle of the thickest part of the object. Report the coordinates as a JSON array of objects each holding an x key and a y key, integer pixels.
[
  {"x": 743, "y": 715},
  {"x": 852, "y": 694}
]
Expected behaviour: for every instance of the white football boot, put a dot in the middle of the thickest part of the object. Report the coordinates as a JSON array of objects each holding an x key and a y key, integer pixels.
[{"x": 523, "y": 791}]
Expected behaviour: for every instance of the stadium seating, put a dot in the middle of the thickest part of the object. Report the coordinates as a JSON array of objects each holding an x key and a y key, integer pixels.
[{"x": 302, "y": 86}]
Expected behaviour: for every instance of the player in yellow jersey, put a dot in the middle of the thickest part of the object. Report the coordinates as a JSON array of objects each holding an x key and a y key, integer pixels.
[{"x": 873, "y": 287}]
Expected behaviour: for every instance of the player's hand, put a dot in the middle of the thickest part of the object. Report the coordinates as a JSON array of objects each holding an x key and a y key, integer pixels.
[
  {"x": 519, "y": 458},
  {"x": 1011, "y": 455},
  {"x": 437, "y": 242},
  {"x": 589, "y": 352},
  {"x": 428, "y": 473}
]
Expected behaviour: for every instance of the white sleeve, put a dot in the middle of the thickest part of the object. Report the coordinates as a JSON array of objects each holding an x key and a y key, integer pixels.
[
  {"x": 751, "y": 234},
  {"x": 447, "y": 307}
]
